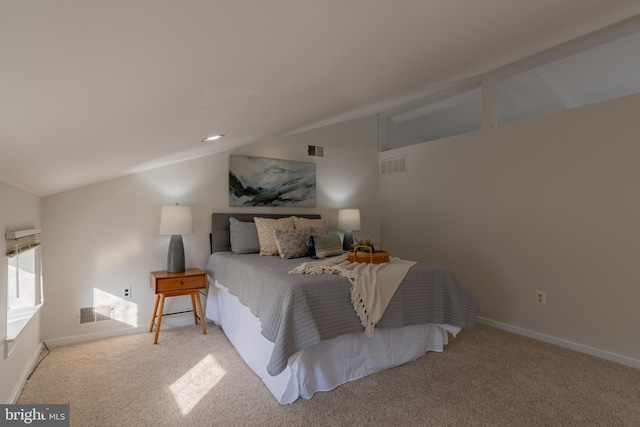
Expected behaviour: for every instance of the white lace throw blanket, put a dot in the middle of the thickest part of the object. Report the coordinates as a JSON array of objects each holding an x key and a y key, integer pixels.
[{"x": 372, "y": 285}]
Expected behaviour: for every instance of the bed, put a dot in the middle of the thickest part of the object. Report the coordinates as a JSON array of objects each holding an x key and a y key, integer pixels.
[{"x": 300, "y": 333}]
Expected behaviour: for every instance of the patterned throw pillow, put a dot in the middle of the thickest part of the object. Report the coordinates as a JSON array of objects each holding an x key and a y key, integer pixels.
[
  {"x": 244, "y": 237},
  {"x": 292, "y": 243},
  {"x": 327, "y": 245},
  {"x": 266, "y": 236},
  {"x": 318, "y": 226}
]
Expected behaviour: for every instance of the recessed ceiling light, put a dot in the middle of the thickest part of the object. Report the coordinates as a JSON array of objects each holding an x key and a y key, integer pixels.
[{"x": 212, "y": 138}]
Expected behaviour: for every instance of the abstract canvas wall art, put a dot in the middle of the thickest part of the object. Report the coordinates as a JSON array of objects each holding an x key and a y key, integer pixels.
[{"x": 259, "y": 181}]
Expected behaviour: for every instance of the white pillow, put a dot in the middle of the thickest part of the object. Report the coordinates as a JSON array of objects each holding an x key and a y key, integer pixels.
[
  {"x": 318, "y": 226},
  {"x": 266, "y": 233}
]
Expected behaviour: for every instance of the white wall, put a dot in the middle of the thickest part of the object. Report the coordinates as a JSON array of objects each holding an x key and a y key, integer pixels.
[
  {"x": 104, "y": 236},
  {"x": 546, "y": 204},
  {"x": 19, "y": 210}
]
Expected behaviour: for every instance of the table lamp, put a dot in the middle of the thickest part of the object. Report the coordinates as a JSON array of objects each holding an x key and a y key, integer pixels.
[
  {"x": 176, "y": 220},
  {"x": 348, "y": 220}
]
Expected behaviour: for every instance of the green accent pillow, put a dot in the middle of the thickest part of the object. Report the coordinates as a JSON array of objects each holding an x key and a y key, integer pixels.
[{"x": 327, "y": 245}]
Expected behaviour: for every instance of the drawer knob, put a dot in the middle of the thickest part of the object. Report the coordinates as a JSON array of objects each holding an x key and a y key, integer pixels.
[{"x": 181, "y": 283}]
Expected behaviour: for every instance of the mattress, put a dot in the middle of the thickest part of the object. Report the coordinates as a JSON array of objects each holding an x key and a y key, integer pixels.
[
  {"x": 299, "y": 311},
  {"x": 328, "y": 364}
]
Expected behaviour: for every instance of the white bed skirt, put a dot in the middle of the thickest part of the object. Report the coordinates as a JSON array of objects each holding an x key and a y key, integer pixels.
[{"x": 328, "y": 364}]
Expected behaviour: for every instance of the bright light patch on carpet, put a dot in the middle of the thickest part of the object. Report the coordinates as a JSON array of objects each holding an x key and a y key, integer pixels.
[{"x": 195, "y": 384}]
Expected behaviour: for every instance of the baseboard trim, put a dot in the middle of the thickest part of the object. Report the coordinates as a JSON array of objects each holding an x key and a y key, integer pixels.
[
  {"x": 168, "y": 321},
  {"x": 25, "y": 375},
  {"x": 603, "y": 354}
]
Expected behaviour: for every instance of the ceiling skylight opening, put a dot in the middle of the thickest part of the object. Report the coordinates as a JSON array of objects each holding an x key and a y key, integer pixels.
[{"x": 213, "y": 137}]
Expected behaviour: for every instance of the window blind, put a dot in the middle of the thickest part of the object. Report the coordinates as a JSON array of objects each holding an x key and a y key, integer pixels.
[{"x": 22, "y": 240}]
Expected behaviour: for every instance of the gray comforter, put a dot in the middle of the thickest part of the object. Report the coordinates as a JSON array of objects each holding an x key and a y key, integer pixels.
[{"x": 298, "y": 311}]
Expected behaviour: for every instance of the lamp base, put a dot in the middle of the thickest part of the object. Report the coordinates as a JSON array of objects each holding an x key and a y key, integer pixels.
[
  {"x": 175, "y": 258},
  {"x": 347, "y": 240}
]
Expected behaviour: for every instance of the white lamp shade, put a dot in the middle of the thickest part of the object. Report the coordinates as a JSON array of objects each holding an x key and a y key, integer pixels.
[
  {"x": 176, "y": 219},
  {"x": 349, "y": 219}
]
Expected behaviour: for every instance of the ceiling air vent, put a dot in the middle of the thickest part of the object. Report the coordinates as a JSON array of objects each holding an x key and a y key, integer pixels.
[
  {"x": 394, "y": 165},
  {"x": 316, "y": 151}
]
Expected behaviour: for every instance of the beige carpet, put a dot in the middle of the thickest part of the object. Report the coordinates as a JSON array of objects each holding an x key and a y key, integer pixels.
[{"x": 485, "y": 377}]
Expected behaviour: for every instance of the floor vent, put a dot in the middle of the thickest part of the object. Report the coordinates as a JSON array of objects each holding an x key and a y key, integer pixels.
[
  {"x": 394, "y": 165},
  {"x": 99, "y": 313},
  {"x": 316, "y": 151}
]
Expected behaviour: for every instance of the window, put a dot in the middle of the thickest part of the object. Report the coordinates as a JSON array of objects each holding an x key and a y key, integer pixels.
[
  {"x": 24, "y": 292},
  {"x": 21, "y": 280},
  {"x": 603, "y": 69},
  {"x": 452, "y": 114},
  {"x": 597, "y": 67}
]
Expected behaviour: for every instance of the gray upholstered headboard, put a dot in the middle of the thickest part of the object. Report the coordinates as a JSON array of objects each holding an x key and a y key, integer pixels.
[{"x": 220, "y": 240}]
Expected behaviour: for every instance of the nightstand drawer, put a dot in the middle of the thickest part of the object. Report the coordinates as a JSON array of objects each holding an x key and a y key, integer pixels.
[{"x": 180, "y": 283}]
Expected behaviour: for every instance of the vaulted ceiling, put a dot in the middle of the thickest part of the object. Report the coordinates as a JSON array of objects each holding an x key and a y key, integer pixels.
[{"x": 92, "y": 90}]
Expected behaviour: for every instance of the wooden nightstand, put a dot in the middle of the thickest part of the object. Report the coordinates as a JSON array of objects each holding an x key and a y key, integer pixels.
[{"x": 165, "y": 285}]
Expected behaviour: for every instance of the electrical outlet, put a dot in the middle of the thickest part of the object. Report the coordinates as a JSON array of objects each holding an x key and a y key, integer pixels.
[
  {"x": 126, "y": 292},
  {"x": 541, "y": 297}
]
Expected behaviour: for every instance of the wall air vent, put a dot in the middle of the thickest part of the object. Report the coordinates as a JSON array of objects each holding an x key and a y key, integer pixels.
[
  {"x": 99, "y": 313},
  {"x": 316, "y": 151},
  {"x": 394, "y": 165}
]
